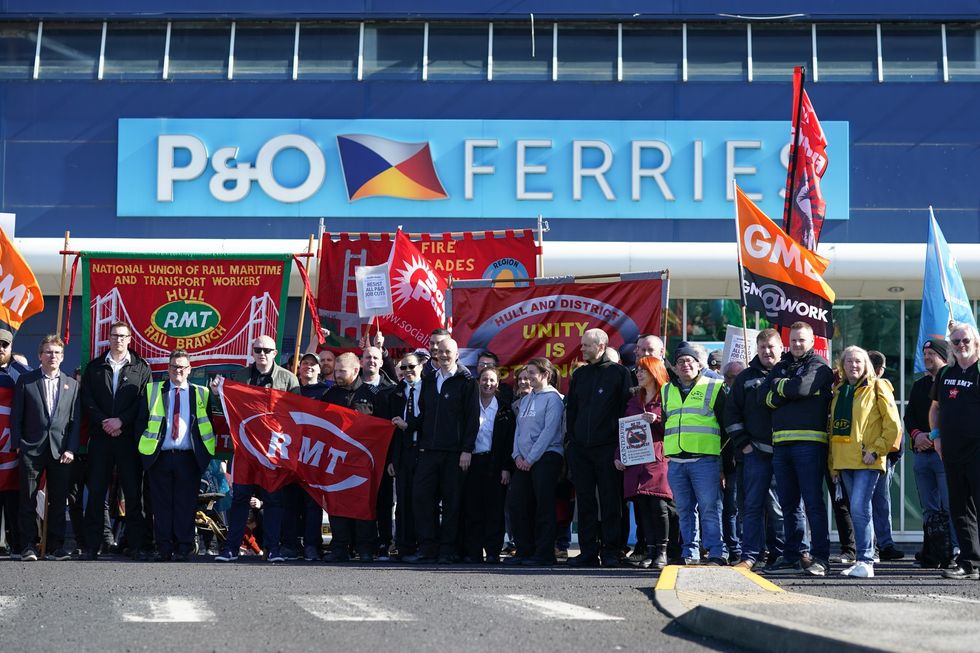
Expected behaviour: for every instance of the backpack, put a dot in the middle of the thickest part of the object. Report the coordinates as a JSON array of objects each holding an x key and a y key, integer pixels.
[{"x": 937, "y": 547}]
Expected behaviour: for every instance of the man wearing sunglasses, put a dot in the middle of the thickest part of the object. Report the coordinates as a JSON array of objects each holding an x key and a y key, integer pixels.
[
  {"x": 263, "y": 373},
  {"x": 954, "y": 417}
]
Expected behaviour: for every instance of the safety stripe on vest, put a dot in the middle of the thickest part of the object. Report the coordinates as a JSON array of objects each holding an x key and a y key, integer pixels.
[{"x": 676, "y": 430}]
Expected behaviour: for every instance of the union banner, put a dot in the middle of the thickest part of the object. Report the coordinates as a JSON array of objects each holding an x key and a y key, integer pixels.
[
  {"x": 211, "y": 306},
  {"x": 8, "y": 459},
  {"x": 548, "y": 319}
]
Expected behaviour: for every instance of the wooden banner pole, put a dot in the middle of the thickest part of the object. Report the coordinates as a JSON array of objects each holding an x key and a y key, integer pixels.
[
  {"x": 302, "y": 315},
  {"x": 64, "y": 281}
]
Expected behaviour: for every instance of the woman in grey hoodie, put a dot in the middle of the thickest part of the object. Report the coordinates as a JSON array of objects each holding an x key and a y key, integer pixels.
[{"x": 537, "y": 456}]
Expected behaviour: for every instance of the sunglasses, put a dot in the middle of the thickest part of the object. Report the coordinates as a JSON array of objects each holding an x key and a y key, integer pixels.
[
  {"x": 262, "y": 350},
  {"x": 961, "y": 341},
  {"x": 407, "y": 367}
]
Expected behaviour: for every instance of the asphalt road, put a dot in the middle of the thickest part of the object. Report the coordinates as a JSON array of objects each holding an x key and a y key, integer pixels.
[{"x": 254, "y": 606}]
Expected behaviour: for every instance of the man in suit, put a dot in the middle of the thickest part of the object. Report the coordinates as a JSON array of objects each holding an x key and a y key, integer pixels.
[
  {"x": 44, "y": 430},
  {"x": 405, "y": 450},
  {"x": 176, "y": 445}
]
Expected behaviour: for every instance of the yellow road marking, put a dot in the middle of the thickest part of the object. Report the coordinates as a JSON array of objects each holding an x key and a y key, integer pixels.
[
  {"x": 758, "y": 580},
  {"x": 668, "y": 578}
]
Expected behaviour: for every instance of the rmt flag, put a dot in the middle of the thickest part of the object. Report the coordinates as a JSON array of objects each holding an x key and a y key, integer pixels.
[
  {"x": 20, "y": 295},
  {"x": 805, "y": 209},
  {"x": 780, "y": 278},
  {"x": 418, "y": 294},
  {"x": 337, "y": 454}
]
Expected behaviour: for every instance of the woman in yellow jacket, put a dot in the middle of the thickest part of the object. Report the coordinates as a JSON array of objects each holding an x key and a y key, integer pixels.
[{"x": 864, "y": 423}]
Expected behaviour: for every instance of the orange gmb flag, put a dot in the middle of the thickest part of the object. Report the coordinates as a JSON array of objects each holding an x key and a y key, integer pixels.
[
  {"x": 781, "y": 278},
  {"x": 20, "y": 295}
]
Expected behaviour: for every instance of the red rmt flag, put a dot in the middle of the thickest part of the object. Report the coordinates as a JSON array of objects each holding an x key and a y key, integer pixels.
[
  {"x": 418, "y": 294},
  {"x": 337, "y": 454},
  {"x": 805, "y": 209}
]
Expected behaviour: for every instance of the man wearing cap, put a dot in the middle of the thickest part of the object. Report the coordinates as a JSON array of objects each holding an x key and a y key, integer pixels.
[
  {"x": 930, "y": 477},
  {"x": 694, "y": 409},
  {"x": 10, "y": 371}
]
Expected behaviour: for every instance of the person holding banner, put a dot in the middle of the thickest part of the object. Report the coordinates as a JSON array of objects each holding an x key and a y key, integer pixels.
[
  {"x": 647, "y": 483},
  {"x": 694, "y": 409},
  {"x": 537, "y": 454}
]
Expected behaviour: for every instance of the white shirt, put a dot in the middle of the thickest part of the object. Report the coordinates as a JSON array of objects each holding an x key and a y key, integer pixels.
[
  {"x": 52, "y": 390},
  {"x": 484, "y": 437},
  {"x": 415, "y": 397},
  {"x": 183, "y": 440},
  {"x": 441, "y": 376},
  {"x": 116, "y": 368}
]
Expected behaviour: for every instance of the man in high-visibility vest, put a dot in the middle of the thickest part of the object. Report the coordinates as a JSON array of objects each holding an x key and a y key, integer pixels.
[
  {"x": 176, "y": 445},
  {"x": 694, "y": 406}
]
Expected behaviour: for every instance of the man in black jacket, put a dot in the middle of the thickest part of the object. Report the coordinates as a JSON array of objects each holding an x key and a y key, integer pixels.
[
  {"x": 597, "y": 398},
  {"x": 113, "y": 389},
  {"x": 404, "y": 450},
  {"x": 449, "y": 405}
]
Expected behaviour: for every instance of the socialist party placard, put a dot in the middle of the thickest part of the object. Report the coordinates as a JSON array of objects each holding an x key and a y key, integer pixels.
[{"x": 211, "y": 306}]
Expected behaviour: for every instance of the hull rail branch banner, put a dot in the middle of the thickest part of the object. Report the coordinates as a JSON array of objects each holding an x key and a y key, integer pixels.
[
  {"x": 211, "y": 306},
  {"x": 548, "y": 317},
  {"x": 501, "y": 256}
]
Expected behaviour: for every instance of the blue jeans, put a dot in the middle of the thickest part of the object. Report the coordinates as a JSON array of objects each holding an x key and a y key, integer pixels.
[
  {"x": 697, "y": 491},
  {"x": 881, "y": 508},
  {"x": 930, "y": 480},
  {"x": 860, "y": 484},
  {"x": 731, "y": 520},
  {"x": 238, "y": 515},
  {"x": 762, "y": 518},
  {"x": 799, "y": 469}
]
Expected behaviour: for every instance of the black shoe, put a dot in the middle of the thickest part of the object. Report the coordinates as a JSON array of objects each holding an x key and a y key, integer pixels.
[
  {"x": 959, "y": 573},
  {"x": 289, "y": 553},
  {"x": 492, "y": 560},
  {"x": 182, "y": 557},
  {"x": 418, "y": 559},
  {"x": 141, "y": 556},
  {"x": 58, "y": 554},
  {"x": 610, "y": 562},
  {"x": 366, "y": 557},
  {"x": 539, "y": 562},
  {"x": 89, "y": 555},
  {"x": 336, "y": 557},
  {"x": 514, "y": 561},
  {"x": 470, "y": 560},
  {"x": 717, "y": 562},
  {"x": 891, "y": 553},
  {"x": 582, "y": 560},
  {"x": 447, "y": 559},
  {"x": 160, "y": 556},
  {"x": 28, "y": 555}
]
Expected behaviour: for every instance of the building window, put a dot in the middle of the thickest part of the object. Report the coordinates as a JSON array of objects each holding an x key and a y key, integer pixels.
[
  {"x": 393, "y": 51},
  {"x": 264, "y": 51},
  {"x": 587, "y": 53},
  {"x": 847, "y": 53},
  {"x": 777, "y": 49},
  {"x": 135, "y": 50},
  {"x": 458, "y": 51},
  {"x": 652, "y": 53},
  {"x": 912, "y": 54},
  {"x": 328, "y": 51},
  {"x": 199, "y": 51},
  {"x": 515, "y": 56},
  {"x": 963, "y": 52},
  {"x": 717, "y": 53},
  {"x": 18, "y": 43},
  {"x": 70, "y": 50}
]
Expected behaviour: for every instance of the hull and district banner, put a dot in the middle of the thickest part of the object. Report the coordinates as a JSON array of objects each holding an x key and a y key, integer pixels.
[
  {"x": 212, "y": 306},
  {"x": 549, "y": 317}
]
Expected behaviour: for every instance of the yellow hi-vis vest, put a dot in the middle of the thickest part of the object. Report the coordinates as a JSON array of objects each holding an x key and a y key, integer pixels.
[
  {"x": 690, "y": 425},
  {"x": 154, "y": 399}
]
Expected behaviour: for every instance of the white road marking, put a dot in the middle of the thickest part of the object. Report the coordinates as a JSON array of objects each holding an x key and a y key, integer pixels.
[
  {"x": 931, "y": 598},
  {"x": 349, "y": 607},
  {"x": 535, "y": 608},
  {"x": 8, "y": 605},
  {"x": 165, "y": 609}
]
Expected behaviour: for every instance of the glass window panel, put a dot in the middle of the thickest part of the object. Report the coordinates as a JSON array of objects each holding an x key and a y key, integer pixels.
[
  {"x": 963, "y": 52},
  {"x": 512, "y": 53},
  {"x": 847, "y": 53},
  {"x": 717, "y": 53},
  {"x": 328, "y": 51},
  {"x": 870, "y": 324},
  {"x": 913, "y": 309},
  {"x": 135, "y": 50},
  {"x": 776, "y": 50},
  {"x": 708, "y": 319},
  {"x": 651, "y": 53},
  {"x": 393, "y": 51},
  {"x": 264, "y": 51},
  {"x": 70, "y": 50},
  {"x": 458, "y": 51},
  {"x": 912, "y": 54},
  {"x": 199, "y": 51},
  {"x": 18, "y": 44},
  {"x": 675, "y": 325},
  {"x": 587, "y": 53}
]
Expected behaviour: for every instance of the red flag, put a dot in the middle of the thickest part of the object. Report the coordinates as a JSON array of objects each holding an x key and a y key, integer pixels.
[
  {"x": 8, "y": 459},
  {"x": 418, "y": 294},
  {"x": 804, "y": 210},
  {"x": 337, "y": 454}
]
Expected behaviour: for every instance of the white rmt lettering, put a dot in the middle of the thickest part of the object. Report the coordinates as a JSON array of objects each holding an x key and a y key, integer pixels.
[
  {"x": 278, "y": 446},
  {"x": 335, "y": 455},
  {"x": 310, "y": 455}
]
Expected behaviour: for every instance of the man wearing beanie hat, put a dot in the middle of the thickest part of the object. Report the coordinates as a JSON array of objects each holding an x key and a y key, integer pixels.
[
  {"x": 694, "y": 406},
  {"x": 930, "y": 476}
]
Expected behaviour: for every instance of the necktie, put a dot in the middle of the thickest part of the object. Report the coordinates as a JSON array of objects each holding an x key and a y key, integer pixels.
[
  {"x": 410, "y": 408},
  {"x": 175, "y": 428}
]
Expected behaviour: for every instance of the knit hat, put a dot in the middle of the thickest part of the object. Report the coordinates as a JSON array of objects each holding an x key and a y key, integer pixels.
[
  {"x": 938, "y": 345},
  {"x": 684, "y": 349}
]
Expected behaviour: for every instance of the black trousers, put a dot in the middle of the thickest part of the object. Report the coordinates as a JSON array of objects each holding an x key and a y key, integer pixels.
[
  {"x": 531, "y": 500},
  {"x": 593, "y": 473},
  {"x": 385, "y": 506},
  {"x": 301, "y": 516},
  {"x": 58, "y": 478},
  {"x": 174, "y": 481},
  {"x": 9, "y": 508},
  {"x": 438, "y": 478},
  {"x": 653, "y": 513},
  {"x": 483, "y": 508},
  {"x": 350, "y": 534},
  {"x": 105, "y": 453},
  {"x": 406, "y": 537},
  {"x": 842, "y": 518},
  {"x": 963, "y": 481}
]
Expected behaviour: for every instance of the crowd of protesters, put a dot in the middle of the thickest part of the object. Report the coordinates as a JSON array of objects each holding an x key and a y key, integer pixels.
[{"x": 479, "y": 471}]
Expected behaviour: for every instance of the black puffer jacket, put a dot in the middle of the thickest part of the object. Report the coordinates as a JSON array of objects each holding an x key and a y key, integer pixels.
[
  {"x": 450, "y": 416},
  {"x": 98, "y": 400},
  {"x": 799, "y": 394},
  {"x": 747, "y": 418},
  {"x": 597, "y": 398}
]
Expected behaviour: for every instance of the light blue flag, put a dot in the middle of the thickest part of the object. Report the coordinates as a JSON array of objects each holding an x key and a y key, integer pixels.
[{"x": 943, "y": 293}]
